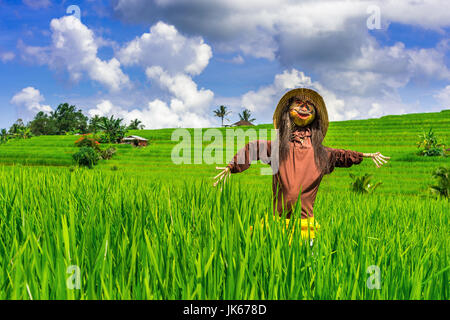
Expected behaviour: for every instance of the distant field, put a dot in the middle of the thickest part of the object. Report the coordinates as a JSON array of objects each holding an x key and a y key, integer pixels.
[
  {"x": 155, "y": 230},
  {"x": 395, "y": 136}
]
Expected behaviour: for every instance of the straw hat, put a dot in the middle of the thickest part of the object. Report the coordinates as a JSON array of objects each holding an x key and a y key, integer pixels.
[{"x": 304, "y": 94}]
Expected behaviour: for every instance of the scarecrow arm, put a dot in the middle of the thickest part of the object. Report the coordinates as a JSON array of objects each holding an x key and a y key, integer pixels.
[
  {"x": 347, "y": 158},
  {"x": 255, "y": 150},
  {"x": 343, "y": 158}
]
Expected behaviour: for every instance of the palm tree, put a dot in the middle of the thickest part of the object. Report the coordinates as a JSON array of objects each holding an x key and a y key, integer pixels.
[
  {"x": 113, "y": 129},
  {"x": 4, "y": 136},
  {"x": 136, "y": 125},
  {"x": 94, "y": 123},
  {"x": 16, "y": 126},
  {"x": 24, "y": 133},
  {"x": 222, "y": 112},
  {"x": 246, "y": 115}
]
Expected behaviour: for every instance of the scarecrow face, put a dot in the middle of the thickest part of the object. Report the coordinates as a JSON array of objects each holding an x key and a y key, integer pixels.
[{"x": 302, "y": 112}]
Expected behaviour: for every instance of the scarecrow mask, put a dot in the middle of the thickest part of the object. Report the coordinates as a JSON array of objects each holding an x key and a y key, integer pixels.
[{"x": 302, "y": 112}]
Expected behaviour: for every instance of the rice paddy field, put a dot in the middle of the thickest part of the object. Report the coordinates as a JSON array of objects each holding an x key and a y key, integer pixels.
[{"x": 139, "y": 226}]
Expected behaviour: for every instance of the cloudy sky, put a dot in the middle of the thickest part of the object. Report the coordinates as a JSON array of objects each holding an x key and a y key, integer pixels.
[{"x": 171, "y": 62}]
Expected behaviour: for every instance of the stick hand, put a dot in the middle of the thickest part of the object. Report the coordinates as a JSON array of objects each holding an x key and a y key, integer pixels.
[
  {"x": 223, "y": 175},
  {"x": 378, "y": 158}
]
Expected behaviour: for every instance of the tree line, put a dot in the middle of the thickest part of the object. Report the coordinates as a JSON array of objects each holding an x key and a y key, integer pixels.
[{"x": 67, "y": 119}]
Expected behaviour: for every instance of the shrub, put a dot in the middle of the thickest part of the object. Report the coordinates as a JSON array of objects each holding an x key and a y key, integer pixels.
[
  {"x": 363, "y": 184},
  {"x": 86, "y": 157},
  {"x": 88, "y": 141},
  {"x": 90, "y": 151},
  {"x": 103, "y": 138},
  {"x": 429, "y": 142},
  {"x": 107, "y": 153},
  {"x": 442, "y": 186}
]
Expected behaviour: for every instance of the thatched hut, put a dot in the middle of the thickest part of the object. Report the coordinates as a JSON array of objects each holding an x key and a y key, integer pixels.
[
  {"x": 242, "y": 123},
  {"x": 135, "y": 141}
]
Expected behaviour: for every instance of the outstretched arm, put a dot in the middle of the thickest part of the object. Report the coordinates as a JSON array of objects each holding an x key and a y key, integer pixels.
[
  {"x": 347, "y": 158},
  {"x": 255, "y": 150},
  {"x": 343, "y": 158}
]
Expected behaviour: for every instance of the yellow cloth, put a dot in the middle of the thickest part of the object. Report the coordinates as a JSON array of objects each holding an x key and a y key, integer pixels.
[{"x": 309, "y": 227}]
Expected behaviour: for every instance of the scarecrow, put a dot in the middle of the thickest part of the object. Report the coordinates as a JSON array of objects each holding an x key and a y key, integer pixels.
[{"x": 301, "y": 160}]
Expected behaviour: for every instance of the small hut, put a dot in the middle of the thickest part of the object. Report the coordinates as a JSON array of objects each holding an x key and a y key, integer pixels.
[
  {"x": 135, "y": 141},
  {"x": 242, "y": 123}
]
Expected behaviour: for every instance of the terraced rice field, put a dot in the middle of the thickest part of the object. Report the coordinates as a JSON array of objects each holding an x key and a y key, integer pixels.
[{"x": 155, "y": 230}]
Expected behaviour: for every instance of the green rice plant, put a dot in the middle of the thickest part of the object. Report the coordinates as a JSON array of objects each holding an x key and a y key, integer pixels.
[
  {"x": 442, "y": 186},
  {"x": 363, "y": 184},
  {"x": 429, "y": 142},
  {"x": 143, "y": 238}
]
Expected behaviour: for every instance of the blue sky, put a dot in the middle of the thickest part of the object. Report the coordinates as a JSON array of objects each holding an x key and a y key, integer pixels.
[{"x": 170, "y": 63}]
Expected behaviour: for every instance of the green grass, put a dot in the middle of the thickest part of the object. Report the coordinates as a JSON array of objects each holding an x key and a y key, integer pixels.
[{"x": 155, "y": 230}]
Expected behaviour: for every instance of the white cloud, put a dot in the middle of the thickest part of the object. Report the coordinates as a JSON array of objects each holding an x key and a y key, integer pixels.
[
  {"x": 104, "y": 108},
  {"x": 156, "y": 115},
  {"x": 430, "y": 14},
  {"x": 37, "y": 4},
  {"x": 266, "y": 98},
  {"x": 443, "y": 97},
  {"x": 74, "y": 49},
  {"x": 428, "y": 63},
  {"x": 332, "y": 30},
  {"x": 329, "y": 39},
  {"x": 376, "y": 110},
  {"x": 254, "y": 27},
  {"x": 187, "y": 107},
  {"x": 7, "y": 56},
  {"x": 237, "y": 59},
  {"x": 31, "y": 99},
  {"x": 186, "y": 95},
  {"x": 374, "y": 107},
  {"x": 383, "y": 70},
  {"x": 170, "y": 60},
  {"x": 164, "y": 46},
  {"x": 39, "y": 55},
  {"x": 262, "y": 102}
]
